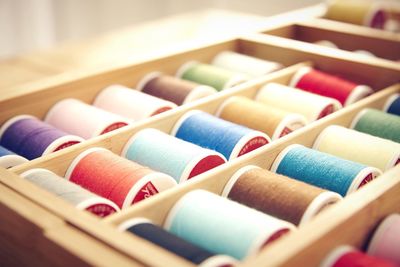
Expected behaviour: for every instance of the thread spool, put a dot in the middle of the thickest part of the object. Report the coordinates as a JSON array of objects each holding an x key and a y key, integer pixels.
[
  {"x": 115, "y": 178},
  {"x": 8, "y": 159},
  {"x": 357, "y": 146},
  {"x": 377, "y": 123},
  {"x": 208, "y": 131},
  {"x": 360, "y": 12},
  {"x": 263, "y": 190},
  {"x": 392, "y": 105},
  {"x": 131, "y": 103},
  {"x": 323, "y": 170},
  {"x": 326, "y": 43},
  {"x": 240, "y": 63},
  {"x": 70, "y": 192},
  {"x": 330, "y": 44},
  {"x": 144, "y": 228},
  {"x": 312, "y": 106},
  {"x": 272, "y": 121},
  {"x": 347, "y": 256},
  {"x": 31, "y": 138},
  {"x": 76, "y": 117},
  {"x": 173, "y": 89},
  {"x": 210, "y": 75},
  {"x": 318, "y": 82},
  {"x": 385, "y": 242},
  {"x": 223, "y": 226},
  {"x": 173, "y": 156}
]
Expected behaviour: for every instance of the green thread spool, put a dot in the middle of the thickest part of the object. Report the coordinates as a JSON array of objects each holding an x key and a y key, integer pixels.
[
  {"x": 378, "y": 123},
  {"x": 213, "y": 76}
]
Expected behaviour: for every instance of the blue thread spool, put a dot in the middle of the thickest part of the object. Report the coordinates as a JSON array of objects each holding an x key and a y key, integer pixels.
[
  {"x": 323, "y": 170},
  {"x": 8, "y": 159},
  {"x": 168, "y": 154},
  {"x": 223, "y": 226},
  {"x": 229, "y": 139},
  {"x": 393, "y": 105}
]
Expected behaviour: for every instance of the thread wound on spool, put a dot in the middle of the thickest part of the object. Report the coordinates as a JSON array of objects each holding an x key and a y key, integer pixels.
[
  {"x": 229, "y": 139},
  {"x": 162, "y": 152},
  {"x": 241, "y": 63},
  {"x": 70, "y": 192},
  {"x": 344, "y": 256},
  {"x": 213, "y": 222},
  {"x": 321, "y": 83},
  {"x": 377, "y": 123},
  {"x": 386, "y": 240},
  {"x": 157, "y": 235},
  {"x": 358, "y": 12},
  {"x": 392, "y": 105},
  {"x": 263, "y": 190},
  {"x": 269, "y": 120},
  {"x": 210, "y": 75},
  {"x": 76, "y": 117},
  {"x": 310, "y": 105},
  {"x": 130, "y": 103},
  {"x": 323, "y": 170},
  {"x": 357, "y": 146},
  {"x": 31, "y": 138},
  {"x": 173, "y": 89},
  {"x": 115, "y": 178}
]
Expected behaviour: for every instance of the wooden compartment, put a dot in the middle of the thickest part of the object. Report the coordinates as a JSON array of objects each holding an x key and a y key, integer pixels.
[
  {"x": 357, "y": 214},
  {"x": 385, "y": 45}
]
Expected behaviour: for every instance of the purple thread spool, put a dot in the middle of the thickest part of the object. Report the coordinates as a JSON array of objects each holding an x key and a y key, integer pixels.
[{"x": 31, "y": 138}]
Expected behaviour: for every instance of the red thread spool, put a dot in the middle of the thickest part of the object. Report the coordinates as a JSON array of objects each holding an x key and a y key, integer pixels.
[
  {"x": 346, "y": 256},
  {"x": 320, "y": 83},
  {"x": 120, "y": 180}
]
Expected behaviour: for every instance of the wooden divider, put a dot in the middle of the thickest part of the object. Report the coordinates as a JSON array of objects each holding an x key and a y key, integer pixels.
[{"x": 350, "y": 37}]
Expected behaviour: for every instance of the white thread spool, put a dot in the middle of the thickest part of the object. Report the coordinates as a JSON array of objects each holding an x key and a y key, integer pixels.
[
  {"x": 252, "y": 66},
  {"x": 312, "y": 106},
  {"x": 131, "y": 103}
]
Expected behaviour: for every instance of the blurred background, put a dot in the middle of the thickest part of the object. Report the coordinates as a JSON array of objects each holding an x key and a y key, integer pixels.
[{"x": 29, "y": 25}]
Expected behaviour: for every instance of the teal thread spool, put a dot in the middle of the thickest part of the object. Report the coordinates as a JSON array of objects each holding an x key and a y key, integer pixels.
[
  {"x": 207, "y": 74},
  {"x": 223, "y": 226},
  {"x": 378, "y": 123},
  {"x": 168, "y": 154},
  {"x": 323, "y": 170}
]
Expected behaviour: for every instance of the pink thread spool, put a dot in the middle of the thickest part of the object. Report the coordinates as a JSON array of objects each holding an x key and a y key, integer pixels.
[
  {"x": 131, "y": 103},
  {"x": 76, "y": 117},
  {"x": 385, "y": 242}
]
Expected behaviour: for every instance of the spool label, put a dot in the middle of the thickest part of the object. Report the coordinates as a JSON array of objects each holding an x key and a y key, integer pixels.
[
  {"x": 326, "y": 111},
  {"x": 285, "y": 131},
  {"x": 113, "y": 127},
  {"x": 252, "y": 144},
  {"x": 160, "y": 110},
  {"x": 276, "y": 236},
  {"x": 65, "y": 145},
  {"x": 206, "y": 164},
  {"x": 146, "y": 191},
  {"x": 101, "y": 210},
  {"x": 366, "y": 180}
]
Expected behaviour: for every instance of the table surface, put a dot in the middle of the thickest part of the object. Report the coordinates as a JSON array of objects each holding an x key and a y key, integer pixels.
[{"x": 125, "y": 45}]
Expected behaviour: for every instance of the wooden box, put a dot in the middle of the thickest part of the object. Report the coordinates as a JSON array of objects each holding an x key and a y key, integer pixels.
[{"x": 42, "y": 229}]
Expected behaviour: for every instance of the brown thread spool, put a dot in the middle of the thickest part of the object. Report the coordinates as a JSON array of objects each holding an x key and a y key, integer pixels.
[
  {"x": 272, "y": 121},
  {"x": 173, "y": 89},
  {"x": 278, "y": 195}
]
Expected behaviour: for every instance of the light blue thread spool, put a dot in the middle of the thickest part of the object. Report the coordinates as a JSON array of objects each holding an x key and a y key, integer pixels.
[
  {"x": 223, "y": 226},
  {"x": 208, "y": 131},
  {"x": 322, "y": 169},
  {"x": 165, "y": 153}
]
